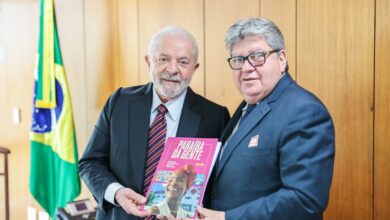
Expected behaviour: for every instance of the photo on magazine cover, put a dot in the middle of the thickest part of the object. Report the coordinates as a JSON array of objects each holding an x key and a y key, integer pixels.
[
  {"x": 181, "y": 176},
  {"x": 176, "y": 193}
]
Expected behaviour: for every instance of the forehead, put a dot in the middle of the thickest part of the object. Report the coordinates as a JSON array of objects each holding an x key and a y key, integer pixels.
[
  {"x": 179, "y": 175},
  {"x": 175, "y": 46},
  {"x": 249, "y": 45}
]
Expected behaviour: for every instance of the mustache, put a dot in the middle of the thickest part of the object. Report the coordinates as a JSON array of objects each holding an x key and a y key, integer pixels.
[{"x": 167, "y": 76}]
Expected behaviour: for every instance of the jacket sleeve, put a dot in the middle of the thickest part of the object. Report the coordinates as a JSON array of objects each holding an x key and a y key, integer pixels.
[
  {"x": 306, "y": 156},
  {"x": 93, "y": 165}
]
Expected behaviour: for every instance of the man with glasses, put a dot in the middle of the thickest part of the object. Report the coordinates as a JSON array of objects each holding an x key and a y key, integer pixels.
[{"x": 278, "y": 149}]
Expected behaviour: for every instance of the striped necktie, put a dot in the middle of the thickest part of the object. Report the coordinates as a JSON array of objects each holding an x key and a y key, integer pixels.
[{"x": 156, "y": 142}]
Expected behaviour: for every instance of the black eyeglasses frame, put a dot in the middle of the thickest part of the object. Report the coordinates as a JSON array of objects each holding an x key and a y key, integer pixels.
[{"x": 265, "y": 54}]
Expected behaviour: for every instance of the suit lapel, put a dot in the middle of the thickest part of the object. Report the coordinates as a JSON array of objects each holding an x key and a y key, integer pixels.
[
  {"x": 190, "y": 118},
  {"x": 253, "y": 119},
  {"x": 232, "y": 123},
  {"x": 139, "y": 112}
]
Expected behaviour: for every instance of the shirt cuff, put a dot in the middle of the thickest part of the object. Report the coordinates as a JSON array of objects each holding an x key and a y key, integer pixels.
[{"x": 109, "y": 195}]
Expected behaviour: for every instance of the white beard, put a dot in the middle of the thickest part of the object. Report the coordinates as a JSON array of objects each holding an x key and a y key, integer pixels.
[{"x": 173, "y": 90}]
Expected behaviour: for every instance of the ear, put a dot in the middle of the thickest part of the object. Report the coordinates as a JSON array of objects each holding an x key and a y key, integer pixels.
[
  {"x": 282, "y": 60},
  {"x": 147, "y": 59},
  {"x": 196, "y": 66}
]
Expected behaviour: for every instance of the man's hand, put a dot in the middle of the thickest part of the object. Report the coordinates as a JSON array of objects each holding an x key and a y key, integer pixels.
[
  {"x": 131, "y": 202},
  {"x": 209, "y": 214}
]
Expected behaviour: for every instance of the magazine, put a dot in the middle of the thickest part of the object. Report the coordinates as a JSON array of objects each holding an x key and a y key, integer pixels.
[{"x": 181, "y": 176}]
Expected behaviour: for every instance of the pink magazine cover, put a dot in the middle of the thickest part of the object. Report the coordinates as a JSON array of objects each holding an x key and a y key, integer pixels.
[{"x": 179, "y": 182}]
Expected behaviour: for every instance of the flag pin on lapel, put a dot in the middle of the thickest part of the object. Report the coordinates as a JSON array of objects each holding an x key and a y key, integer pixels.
[{"x": 254, "y": 141}]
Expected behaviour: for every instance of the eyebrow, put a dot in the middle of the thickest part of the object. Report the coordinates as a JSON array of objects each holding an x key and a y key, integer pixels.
[
  {"x": 163, "y": 55},
  {"x": 250, "y": 52},
  {"x": 179, "y": 58},
  {"x": 184, "y": 58}
]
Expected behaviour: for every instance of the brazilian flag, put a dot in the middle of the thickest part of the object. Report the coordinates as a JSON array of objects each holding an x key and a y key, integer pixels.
[{"x": 54, "y": 177}]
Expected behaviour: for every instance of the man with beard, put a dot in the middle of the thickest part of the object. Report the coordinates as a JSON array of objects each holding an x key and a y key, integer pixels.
[{"x": 127, "y": 141}]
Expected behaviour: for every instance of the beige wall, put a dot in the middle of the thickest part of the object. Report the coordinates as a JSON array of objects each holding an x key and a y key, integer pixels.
[{"x": 336, "y": 49}]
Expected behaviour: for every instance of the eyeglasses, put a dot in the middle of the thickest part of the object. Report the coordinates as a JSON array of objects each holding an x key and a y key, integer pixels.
[{"x": 254, "y": 59}]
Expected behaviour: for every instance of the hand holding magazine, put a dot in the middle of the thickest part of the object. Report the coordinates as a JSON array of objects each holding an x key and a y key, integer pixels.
[{"x": 179, "y": 182}]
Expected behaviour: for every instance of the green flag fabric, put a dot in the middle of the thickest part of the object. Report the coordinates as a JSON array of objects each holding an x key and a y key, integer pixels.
[{"x": 54, "y": 179}]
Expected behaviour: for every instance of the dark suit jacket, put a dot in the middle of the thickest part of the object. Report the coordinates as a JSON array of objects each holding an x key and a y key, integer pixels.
[
  {"x": 279, "y": 163},
  {"x": 117, "y": 147}
]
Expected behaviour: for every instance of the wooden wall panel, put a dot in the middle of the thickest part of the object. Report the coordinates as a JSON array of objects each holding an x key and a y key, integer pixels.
[
  {"x": 99, "y": 43},
  {"x": 3, "y": 75},
  {"x": 127, "y": 43},
  {"x": 335, "y": 61},
  {"x": 155, "y": 14},
  {"x": 382, "y": 112},
  {"x": 3, "y": 98},
  {"x": 124, "y": 35},
  {"x": 20, "y": 46},
  {"x": 283, "y": 13},
  {"x": 219, "y": 16}
]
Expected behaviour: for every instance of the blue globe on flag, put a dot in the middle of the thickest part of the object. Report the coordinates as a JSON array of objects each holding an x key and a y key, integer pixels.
[{"x": 44, "y": 120}]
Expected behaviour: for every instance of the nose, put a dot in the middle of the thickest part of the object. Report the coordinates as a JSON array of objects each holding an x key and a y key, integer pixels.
[
  {"x": 246, "y": 66},
  {"x": 172, "y": 67},
  {"x": 173, "y": 182}
]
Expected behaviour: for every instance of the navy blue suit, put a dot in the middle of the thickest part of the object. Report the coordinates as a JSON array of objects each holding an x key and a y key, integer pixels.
[
  {"x": 279, "y": 163},
  {"x": 117, "y": 147}
]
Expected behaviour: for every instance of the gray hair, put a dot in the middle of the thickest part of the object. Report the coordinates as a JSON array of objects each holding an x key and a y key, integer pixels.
[
  {"x": 261, "y": 27},
  {"x": 172, "y": 31}
]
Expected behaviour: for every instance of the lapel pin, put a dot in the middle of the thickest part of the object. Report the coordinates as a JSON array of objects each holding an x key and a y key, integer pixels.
[{"x": 254, "y": 141}]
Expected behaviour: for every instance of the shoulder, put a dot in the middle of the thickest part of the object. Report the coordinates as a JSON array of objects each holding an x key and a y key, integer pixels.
[
  {"x": 300, "y": 106},
  {"x": 123, "y": 95},
  {"x": 202, "y": 102},
  {"x": 126, "y": 93},
  {"x": 297, "y": 96},
  {"x": 134, "y": 90}
]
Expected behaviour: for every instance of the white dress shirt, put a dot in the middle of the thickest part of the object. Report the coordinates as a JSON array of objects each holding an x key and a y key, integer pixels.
[{"x": 172, "y": 118}]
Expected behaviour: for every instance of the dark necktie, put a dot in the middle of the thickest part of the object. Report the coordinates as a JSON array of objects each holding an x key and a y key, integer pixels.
[
  {"x": 249, "y": 109},
  {"x": 156, "y": 142}
]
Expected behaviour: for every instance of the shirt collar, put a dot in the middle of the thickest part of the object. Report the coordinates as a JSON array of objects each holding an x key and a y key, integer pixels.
[
  {"x": 246, "y": 107},
  {"x": 174, "y": 106}
]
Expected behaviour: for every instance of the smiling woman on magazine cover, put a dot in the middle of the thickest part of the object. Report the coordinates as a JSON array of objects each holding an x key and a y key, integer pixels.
[{"x": 178, "y": 184}]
